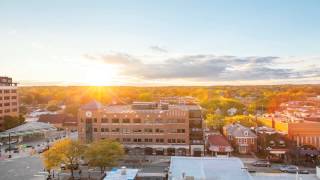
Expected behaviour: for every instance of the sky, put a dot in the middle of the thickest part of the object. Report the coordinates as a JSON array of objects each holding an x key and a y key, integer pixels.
[{"x": 160, "y": 43}]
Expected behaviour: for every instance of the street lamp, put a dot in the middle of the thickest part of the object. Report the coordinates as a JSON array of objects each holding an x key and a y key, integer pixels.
[{"x": 9, "y": 145}]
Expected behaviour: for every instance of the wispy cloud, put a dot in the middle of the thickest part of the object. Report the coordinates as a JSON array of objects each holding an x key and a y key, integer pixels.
[
  {"x": 207, "y": 67},
  {"x": 158, "y": 49}
]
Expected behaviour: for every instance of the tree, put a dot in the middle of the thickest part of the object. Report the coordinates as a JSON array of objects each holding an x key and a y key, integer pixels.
[
  {"x": 65, "y": 151},
  {"x": 214, "y": 120},
  {"x": 248, "y": 121},
  {"x": 12, "y": 121},
  {"x": 104, "y": 153}
]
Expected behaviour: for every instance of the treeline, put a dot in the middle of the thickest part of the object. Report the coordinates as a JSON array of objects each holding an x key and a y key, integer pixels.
[{"x": 249, "y": 99}]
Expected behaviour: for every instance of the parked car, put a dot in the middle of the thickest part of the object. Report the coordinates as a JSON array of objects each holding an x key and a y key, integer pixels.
[
  {"x": 42, "y": 149},
  {"x": 290, "y": 169},
  {"x": 262, "y": 163}
]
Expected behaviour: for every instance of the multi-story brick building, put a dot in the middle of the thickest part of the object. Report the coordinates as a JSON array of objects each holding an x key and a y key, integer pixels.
[
  {"x": 242, "y": 138},
  {"x": 9, "y": 104},
  {"x": 158, "y": 128},
  {"x": 305, "y": 133}
]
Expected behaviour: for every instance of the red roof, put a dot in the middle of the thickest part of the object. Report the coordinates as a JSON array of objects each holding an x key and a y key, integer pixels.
[
  {"x": 57, "y": 119},
  {"x": 218, "y": 140}
]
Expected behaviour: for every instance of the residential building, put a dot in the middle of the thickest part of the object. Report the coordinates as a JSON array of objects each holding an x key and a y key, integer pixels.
[
  {"x": 305, "y": 133},
  {"x": 60, "y": 121},
  {"x": 194, "y": 168},
  {"x": 9, "y": 103},
  {"x": 218, "y": 144},
  {"x": 157, "y": 128},
  {"x": 242, "y": 138}
]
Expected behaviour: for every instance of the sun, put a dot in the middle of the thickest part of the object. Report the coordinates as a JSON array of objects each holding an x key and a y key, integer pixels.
[{"x": 100, "y": 75}]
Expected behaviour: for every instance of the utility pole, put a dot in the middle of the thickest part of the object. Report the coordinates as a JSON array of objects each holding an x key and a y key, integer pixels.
[{"x": 9, "y": 144}]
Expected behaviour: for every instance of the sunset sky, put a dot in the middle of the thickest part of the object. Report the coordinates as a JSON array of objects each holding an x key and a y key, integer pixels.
[{"x": 173, "y": 42}]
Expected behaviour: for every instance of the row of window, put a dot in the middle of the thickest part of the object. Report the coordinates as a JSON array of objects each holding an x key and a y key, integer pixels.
[
  {"x": 246, "y": 140},
  {"x": 150, "y": 140},
  {"x": 146, "y": 130},
  {"x": 8, "y": 91},
  {"x": 313, "y": 140},
  {"x": 8, "y": 104},
  {"x": 136, "y": 120},
  {"x": 7, "y": 97},
  {"x": 8, "y": 110}
]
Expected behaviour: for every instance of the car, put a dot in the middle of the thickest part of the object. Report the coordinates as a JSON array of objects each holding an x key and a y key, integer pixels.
[
  {"x": 12, "y": 148},
  {"x": 29, "y": 146},
  {"x": 42, "y": 149},
  {"x": 262, "y": 163},
  {"x": 290, "y": 169}
]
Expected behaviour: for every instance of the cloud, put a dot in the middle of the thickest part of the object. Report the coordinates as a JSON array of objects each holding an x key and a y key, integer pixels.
[
  {"x": 158, "y": 49},
  {"x": 207, "y": 67}
]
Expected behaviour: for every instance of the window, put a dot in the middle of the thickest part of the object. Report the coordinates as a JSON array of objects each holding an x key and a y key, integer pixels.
[
  {"x": 159, "y": 140},
  {"x": 0, "y": 97},
  {"x": 115, "y": 120},
  {"x": 104, "y": 129},
  {"x": 136, "y": 120},
  {"x": 7, "y": 110},
  {"x": 126, "y": 131},
  {"x": 95, "y": 120},
  {"x": 6, "y": 97},
  {"x": 104, "y": 120},
  {"x": 6, "y": 91},
  {"x": 126, "y": 139},
  {"x": 15, "y": 110},
  {"x": 126, "y": 120},
  {"x": 181, "y": 130},
  {"x": 137, "y": 130},
  {"x": 116, "y": 130},
  {"x": 159, "y": 130},
  {"x": 0, "y": 104},
  {"x": 171, "y": 141},
  {"x": 148, "y": 130},
  {"x": 13, "y": 97},
  {"x": 13, "y": 91},
  {"x": 6, "y": 104},
  {"x": 181, "y": 141},
  {"x": 148, "y": 140},
  {"x": 14, "y": 103},
  {"x": 95, "y": 130},
  {"x": 136, "y": 140}
]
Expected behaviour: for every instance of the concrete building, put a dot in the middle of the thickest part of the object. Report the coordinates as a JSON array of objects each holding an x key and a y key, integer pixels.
[
  {"x": 306, "y": 133},
  {"x": 157, "y": 128},
  {"x": 9, "y": 104},
  {"x": 242, "y": 138}
]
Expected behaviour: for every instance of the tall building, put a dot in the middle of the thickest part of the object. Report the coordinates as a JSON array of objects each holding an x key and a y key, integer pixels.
[
  {"x": 9, "y": 104},
  {"x": 305, "y": 133},
  {"x": 157, "y": 128}
]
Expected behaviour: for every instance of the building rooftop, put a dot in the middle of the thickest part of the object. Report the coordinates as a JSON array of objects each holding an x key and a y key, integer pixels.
[
  {"x": 201, "y": 168},
  {"x": 57, "y": 119},
  {"x": 118, "y": 174},
  {"x": 29, "y": 128},
  {"x": 237, "y": 130},
  {"x": 93, "y": 105}
]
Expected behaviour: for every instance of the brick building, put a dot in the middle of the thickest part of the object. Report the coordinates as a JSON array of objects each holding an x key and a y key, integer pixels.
[
  {"x": 242, "y": 138},
  {"x": 9, "y": 104},
  {"x": 157, "y": 128},
  {"x": 60, "y": 121},
  {"x": 305, "y": 133}
]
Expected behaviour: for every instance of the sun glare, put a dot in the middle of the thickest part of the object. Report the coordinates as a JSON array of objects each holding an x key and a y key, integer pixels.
[{"x": 100, "y": 75}]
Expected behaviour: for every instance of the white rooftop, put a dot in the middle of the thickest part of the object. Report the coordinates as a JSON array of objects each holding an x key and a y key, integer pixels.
[
  {"x": 201, "y": 168},
  {"x": 115, "y": 174}
]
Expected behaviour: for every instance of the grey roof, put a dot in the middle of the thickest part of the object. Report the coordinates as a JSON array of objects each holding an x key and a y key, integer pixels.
[
  {"x": 28, "y": 128},
  {"x": 208, "y": 168},
  {"x": 93, "y": 105},
  {"x": 237, "y": 130}
]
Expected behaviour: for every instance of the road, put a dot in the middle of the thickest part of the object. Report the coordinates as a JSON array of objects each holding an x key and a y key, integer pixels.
[{"x": 24, "y": 168}]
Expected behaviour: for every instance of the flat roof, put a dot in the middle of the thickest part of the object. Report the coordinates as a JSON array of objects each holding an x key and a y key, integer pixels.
[
  {"x": 115, "y": 174},
  {"x": 208, "y": 168}
]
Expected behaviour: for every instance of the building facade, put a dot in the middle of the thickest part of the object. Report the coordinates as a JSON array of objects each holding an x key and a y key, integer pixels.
[
  {"x": 9, "y": 104},
  {"x": 306, "y": 133},
  {"x": 157, "y": 128},
  {"x": 242, "y": 138}
]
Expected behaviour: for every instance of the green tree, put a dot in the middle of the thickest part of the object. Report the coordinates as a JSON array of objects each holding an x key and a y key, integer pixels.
[
  {"x": 214, "y": 121},
  {"x": 65, "y": 151},
  {"x": 12, "y": 121},
  {"x": 104, "y": 153}
]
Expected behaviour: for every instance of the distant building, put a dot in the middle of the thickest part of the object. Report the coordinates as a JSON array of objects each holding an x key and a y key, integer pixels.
[
  {"x": 218, "y": 144},
  {"x": 60, "y": 121},
  {"x": 242, "y": 138},
  {"x": 9, "y": 103},
  {"x": 157, "y": 128},
  {"x": 196, "y": 168},
  {"x": 305, "y": 133}
]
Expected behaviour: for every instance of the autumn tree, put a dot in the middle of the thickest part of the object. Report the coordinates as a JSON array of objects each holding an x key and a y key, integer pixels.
[
  {"x": 65, "y": 151},
  {"x": 104, "y": 153},
  {"x": 214, "y": 121}
]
